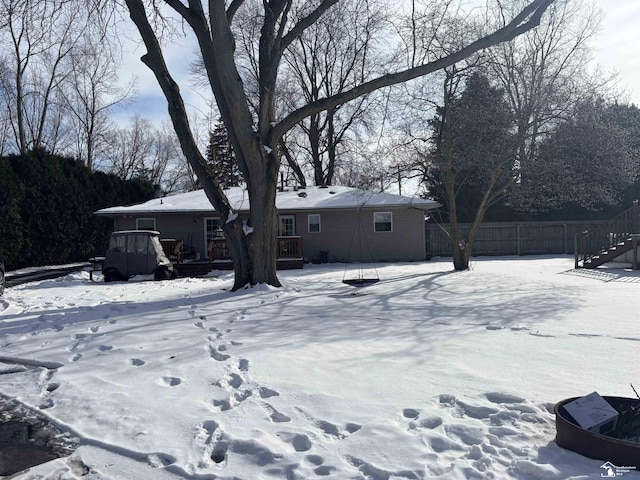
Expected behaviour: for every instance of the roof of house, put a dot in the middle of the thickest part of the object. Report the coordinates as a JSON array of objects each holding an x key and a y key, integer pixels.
[{"x": 310, "y": 198}]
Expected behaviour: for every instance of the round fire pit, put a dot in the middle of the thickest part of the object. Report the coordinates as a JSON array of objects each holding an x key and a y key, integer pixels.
[{"x": 621, "y": 446}]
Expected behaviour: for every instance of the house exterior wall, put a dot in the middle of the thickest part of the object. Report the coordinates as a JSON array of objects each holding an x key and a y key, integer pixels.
[
  {"x": 187, "y": 227},
  {"x": 343, "y": 240},
  {"x": 340, "y": 235}
]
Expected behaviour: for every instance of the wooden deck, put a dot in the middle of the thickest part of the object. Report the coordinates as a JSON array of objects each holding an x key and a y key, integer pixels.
[{"x": 289, "y": 255}]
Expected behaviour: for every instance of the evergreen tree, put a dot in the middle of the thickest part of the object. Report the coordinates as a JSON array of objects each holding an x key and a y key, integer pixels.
[
  {"x": 471, "y": 163},
  {"x": 221, "y": 158},
  {"x": 586, "y": 162},
  {"x": 47, "y": 204}
]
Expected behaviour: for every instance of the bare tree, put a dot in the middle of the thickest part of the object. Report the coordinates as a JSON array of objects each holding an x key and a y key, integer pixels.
[
  {"x": 130, "y": 147},
  {"x": 91, "y": 91},
  {"x": 545, "y": 73},
  {"x": 333, "y": 55},
  {"x": 143, "y": 151},
  {"x": 38, "y": 39},
  {"x": 256, "y": 138}
]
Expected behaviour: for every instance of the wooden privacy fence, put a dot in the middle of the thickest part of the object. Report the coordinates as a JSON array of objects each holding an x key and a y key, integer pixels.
[{"x": 512, "y": 238}]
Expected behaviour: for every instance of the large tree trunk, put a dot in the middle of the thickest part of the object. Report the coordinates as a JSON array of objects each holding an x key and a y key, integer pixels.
[
  {"x": 262, "y": 241},
  {"x": 252, "y": 245},
  {"x": 255, "y": 135}
]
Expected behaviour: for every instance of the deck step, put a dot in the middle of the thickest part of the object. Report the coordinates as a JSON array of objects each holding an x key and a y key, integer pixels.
[{"x": 607, "y": 255}]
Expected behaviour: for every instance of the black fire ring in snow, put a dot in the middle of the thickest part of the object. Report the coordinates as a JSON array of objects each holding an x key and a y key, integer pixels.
[{"x": 621, "y": 446}]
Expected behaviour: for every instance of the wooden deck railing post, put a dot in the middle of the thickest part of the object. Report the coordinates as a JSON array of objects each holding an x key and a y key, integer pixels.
[{"x": 635, "y": 212}]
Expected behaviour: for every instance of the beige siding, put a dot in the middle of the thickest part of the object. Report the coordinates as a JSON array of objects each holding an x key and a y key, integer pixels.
[
  {"x": 343, "y": 241},
  {"x": 339, "y": 235}
]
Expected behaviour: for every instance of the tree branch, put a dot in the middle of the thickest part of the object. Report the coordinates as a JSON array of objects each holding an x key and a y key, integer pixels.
[
  {"x": 233, "y": 8},
  {"x": 306, "y": 22},
  {"x": 154, "y": 59},
  {"x": 179, "y": 7},
  {"x": 532, "y": 14}
]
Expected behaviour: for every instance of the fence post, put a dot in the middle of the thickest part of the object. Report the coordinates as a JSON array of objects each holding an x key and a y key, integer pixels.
[
  {"x": 518, "y": 239},
  {"x": 566, "y": 239},
  {"x": 636, "y": 217},
  {"x": 575, "y": 250}
]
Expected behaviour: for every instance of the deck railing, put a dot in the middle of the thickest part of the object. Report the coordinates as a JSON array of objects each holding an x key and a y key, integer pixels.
[
  {"x": 288, "y": 247},
  {"x": 593, "y": 242}
]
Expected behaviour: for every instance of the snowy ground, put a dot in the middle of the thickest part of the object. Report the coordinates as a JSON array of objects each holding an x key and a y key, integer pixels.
[{"x": 428, "y": 374}]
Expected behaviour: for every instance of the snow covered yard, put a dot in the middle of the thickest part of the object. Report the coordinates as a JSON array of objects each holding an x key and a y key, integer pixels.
[{"x": 430, "y": 373}]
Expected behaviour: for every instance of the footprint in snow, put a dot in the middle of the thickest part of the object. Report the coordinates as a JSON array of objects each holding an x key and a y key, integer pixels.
[
  {"x": 242, "y": 396},
  {"x": 329, "y": 428},
  {"x": 276, "y": 416},
  {"x": 411, "y": 413},
  {"x": 171, "y": 381},
  {"x": 266, "y": 392},
  {"x": 320, "y": 470},
  {"x": 223, "y": 405},
  {"x": 417, "y": 423},
  {"x": 234, "y": 380},
  {"x": 500, "y": 397},
  {"x": 216, "y": 355},
  {"x": 299, "y": 441},
  {"x": 51, "y": 387},
  {"x": 136, "y": 362}
]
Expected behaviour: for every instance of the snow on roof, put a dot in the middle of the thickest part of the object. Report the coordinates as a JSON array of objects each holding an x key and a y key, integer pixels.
[{"x": 310, "y": 198}]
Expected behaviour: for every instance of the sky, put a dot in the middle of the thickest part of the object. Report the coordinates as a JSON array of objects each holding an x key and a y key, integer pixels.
[
  {"x": 619, "y": 43},
  {"x": 429, "y": 373},
  {"x": 617, "y": 49}
]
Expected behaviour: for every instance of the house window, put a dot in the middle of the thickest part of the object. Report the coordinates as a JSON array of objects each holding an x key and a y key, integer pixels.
[
  {"x": 287, "y": 226},
  {"x": 145, "y": 223},
  {"x": 212, "y": 229},
  {"x": 314, "y": 223},
  {"x": 382, "y": 222}
]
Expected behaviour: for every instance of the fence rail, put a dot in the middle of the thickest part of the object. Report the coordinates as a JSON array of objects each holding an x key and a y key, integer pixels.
[{"x": 512, "y": 238}]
